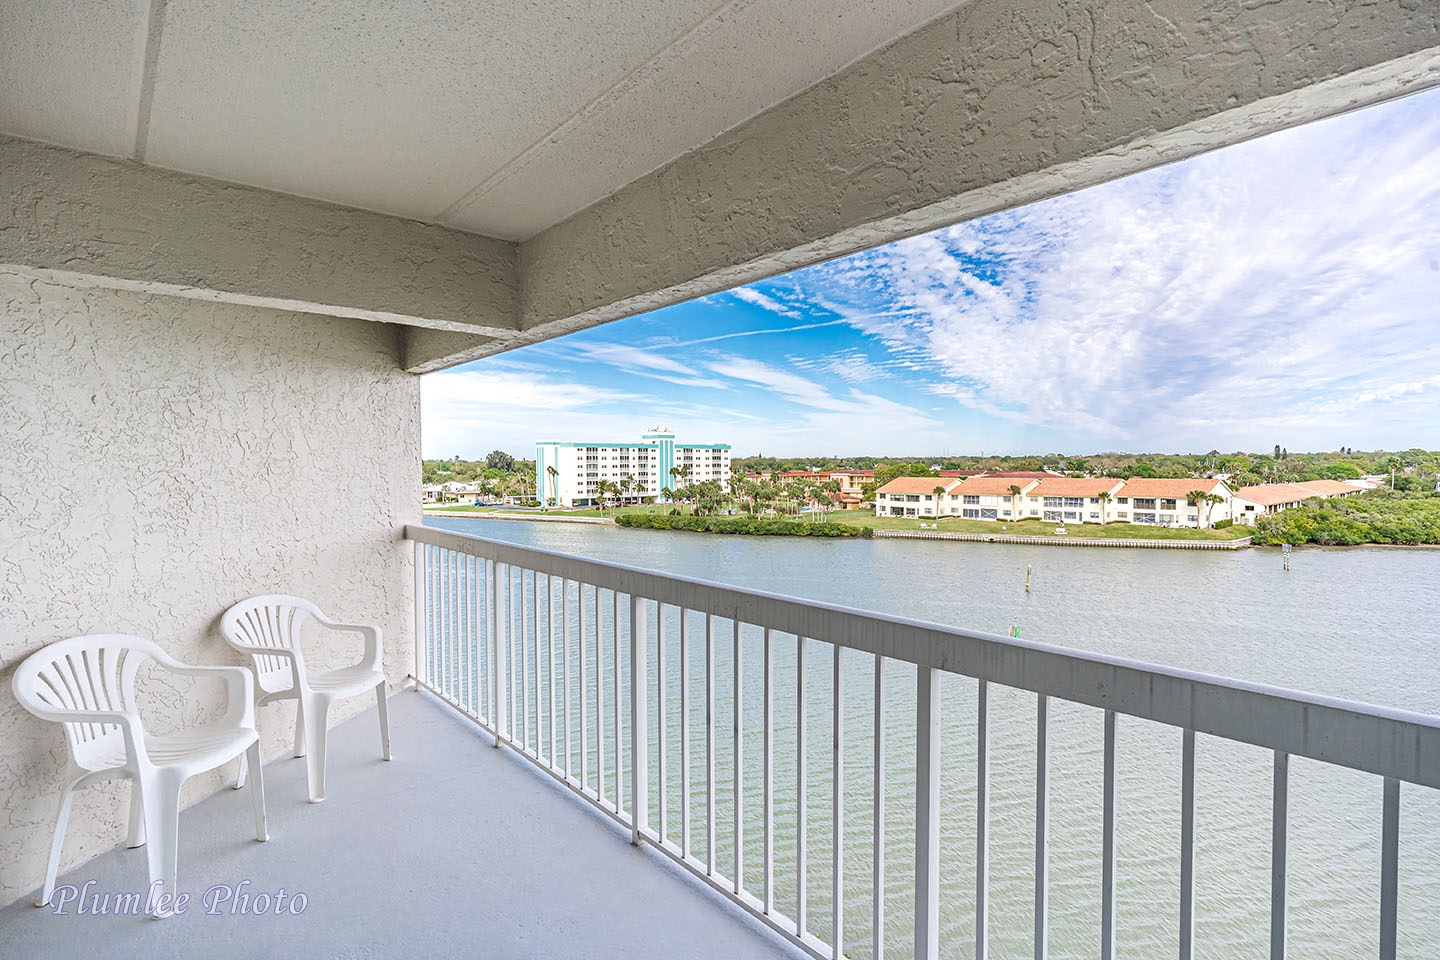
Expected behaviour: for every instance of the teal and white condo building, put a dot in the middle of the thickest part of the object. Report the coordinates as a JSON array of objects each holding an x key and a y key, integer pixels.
[{"x": 568, "y": 473}]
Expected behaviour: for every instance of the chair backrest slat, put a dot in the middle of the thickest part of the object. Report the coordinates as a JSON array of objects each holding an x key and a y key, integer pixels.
[
  {"x": 89, "y": 674},
  {"x": 269, "y": 622}
]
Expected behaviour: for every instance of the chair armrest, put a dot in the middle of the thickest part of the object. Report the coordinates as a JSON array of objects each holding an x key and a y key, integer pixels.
[
  {"x": 369, "y": 631},
  {"x": 129, "y": 724},
  {"x": 239, "y": 684}
]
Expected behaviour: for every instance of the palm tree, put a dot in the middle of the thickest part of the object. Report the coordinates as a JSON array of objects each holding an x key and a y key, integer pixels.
[
  {"x": 1210, "y": 500},
  {"x": 939, "y": 492},
  {"x": 674, "y": 476},
  {"x": 1198, "y": 497},
  {"x": 554, "y": 484},
  {"x": 1104, "y": 499},
  {"x": 1015, "y": 500},
  {"x": 628, "y": 485}
]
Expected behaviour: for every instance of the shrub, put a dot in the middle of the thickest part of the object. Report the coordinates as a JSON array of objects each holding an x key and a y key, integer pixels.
[
  {"x": 750, "y": 526},
  {"x": 1222, "y": 524}
]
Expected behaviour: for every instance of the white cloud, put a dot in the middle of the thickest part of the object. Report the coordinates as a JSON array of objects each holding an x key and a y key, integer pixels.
[
  {"x": 765, "y": 302},
  {"x": 645, "y": 362},
  {"x": 1215, "y": 296}
]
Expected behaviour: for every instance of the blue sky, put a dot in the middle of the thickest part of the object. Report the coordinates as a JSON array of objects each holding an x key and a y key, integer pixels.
[{"x": 1282, "y": 291}]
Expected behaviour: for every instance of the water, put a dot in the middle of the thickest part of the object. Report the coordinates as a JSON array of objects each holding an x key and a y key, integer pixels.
[{"x": 1355, "y": 623}]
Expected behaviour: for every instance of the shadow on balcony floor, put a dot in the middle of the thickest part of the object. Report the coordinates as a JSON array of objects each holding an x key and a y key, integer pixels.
[{"x": 451, "y": 849}]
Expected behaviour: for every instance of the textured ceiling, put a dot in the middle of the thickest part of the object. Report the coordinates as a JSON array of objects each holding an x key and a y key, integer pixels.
[{"x": 499, "y": 118}]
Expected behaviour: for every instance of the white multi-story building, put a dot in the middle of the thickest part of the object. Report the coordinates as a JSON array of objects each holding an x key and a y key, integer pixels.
[{"x": 568, "y": 473}]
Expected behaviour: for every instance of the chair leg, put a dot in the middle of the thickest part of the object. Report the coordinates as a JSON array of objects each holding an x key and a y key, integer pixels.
[
  {"x": 383, "y": 708},
  {"x": 240, "y": 777},
  {"x": 257, "y": 792},
  {"x": 137, "y": 817},
  {"x": 300, "y": 726},
  {"x": 162, "y": 826},
  {"x": 315, "y": 713},
  {"x": 56, "y": 843}
]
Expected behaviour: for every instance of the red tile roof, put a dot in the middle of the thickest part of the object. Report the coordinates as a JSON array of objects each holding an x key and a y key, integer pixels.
[
  {"x": 1172, "y": 489},
  {"x": 1075, "y": 486},
  {"x": 1271, "y": 494},
  {"x": 1329, "y": 488},
  {"x": 916, "y": 484},
  {"x": 992, "y": 486}
]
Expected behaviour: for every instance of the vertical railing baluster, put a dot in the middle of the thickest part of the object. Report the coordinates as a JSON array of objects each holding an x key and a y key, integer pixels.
[
  {"x": 1279, "y": 854},
  {"x": 565, "y": 654},
  {"x": 452, "y": 635},
  {"x": 739, "y": 771},
  {"x": 476, "y": 646},
  {"x": 619, "y": 704},
  {"x": 662, "y": 762},
  {"x": 1107, "y": 854},
  {"x": 801, "y": 861},
  {"x": 501, "y": 678},
  {"x": 422, "y": 600},
  {"x": 525, "y": 662},
  {"x": 1389, "y": 866},
  {"x": 927, "y": 813},
  {"x": 837, "y": 807},
  {"x": 982, "y": 821},
  {"x": 684, "y": 733},
  {"x": 584, "y": 686},
  {"x": 1187, "y": 846},
  {"x": 550, "y": 664},
  {"x": 515, "y": 602},
  {"x": 711, "y": 860},
  {"x": 1042, "y": 827},
  {"x": 768, "y": 785},
  {"x": 600, "y": 699},
  {"x": 639, "y": 707},
  {"x": 877, "y": 922}
]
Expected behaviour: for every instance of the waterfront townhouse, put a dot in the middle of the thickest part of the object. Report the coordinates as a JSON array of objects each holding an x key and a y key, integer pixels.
[
  {"x": 1267, "y": 498},
  {"x": 989, "y": 498},
  {"x": 1073, "y": 499},
  {"x": 913, "y": 496},
  {"x": 1166, "y": 502}
]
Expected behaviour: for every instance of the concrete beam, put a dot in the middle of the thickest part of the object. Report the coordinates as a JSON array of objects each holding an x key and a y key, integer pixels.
[
  {"x": 89, "y": 220},
  {"x": 1002, "y": 103}
]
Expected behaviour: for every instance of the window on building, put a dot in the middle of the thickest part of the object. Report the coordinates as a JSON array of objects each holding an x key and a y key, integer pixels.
[
  {"x": 1144, "y": 503},
  {"x": 988, "y": 513},
  {"x": 1167, "y": 504},
  {"x": 1144, "y": 517},
  {"x": 970, "y": 513},
  {"x": 971, "y": 498},
  {"x": 1052, "y": 516}
]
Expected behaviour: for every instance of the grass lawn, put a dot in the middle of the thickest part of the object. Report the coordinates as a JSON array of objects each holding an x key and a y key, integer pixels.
[{"x": 1039, "y": 528}]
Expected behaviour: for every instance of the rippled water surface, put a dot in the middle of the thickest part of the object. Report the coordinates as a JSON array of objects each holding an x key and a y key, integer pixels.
[{"x": 1357, "y": 623}]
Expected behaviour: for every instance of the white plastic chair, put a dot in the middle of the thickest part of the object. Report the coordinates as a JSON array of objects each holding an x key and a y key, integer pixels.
[
  {"x": 88, "y": 685},
  {"x": 268, "y": 630}
]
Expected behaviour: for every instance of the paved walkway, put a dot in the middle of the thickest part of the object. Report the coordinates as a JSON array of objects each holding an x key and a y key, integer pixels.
[{"x": 453, "y": 849}]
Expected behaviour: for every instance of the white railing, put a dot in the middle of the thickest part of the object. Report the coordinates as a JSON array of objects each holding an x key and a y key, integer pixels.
[{"x": 544, "y": 650}]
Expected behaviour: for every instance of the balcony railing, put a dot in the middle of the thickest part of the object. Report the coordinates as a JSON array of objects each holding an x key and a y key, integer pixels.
[{"x": 545, "y": 652}]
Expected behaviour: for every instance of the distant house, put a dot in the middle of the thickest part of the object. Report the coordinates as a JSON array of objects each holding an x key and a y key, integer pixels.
[
  {"x": 1074, "y": 499},
  {"x": 1263, "y": 499},
  {"x": 912, "y": 497},
  {"x": 1166, "y": 503},
  {"x": 988, "y": 498}
]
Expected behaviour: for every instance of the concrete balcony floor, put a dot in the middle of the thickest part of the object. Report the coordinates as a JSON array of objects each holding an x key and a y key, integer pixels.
[{"x": 451, "y": 849}]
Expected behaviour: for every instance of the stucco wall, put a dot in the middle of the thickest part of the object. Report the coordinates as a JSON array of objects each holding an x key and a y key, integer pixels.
[{"x": 161, "y": 458}]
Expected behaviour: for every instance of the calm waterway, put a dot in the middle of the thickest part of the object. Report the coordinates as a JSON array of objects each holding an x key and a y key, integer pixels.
[{"x": 1357, "y": 623}]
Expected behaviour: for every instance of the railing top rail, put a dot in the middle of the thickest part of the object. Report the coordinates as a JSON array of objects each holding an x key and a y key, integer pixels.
[{"x": 1381, "y": 740}]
